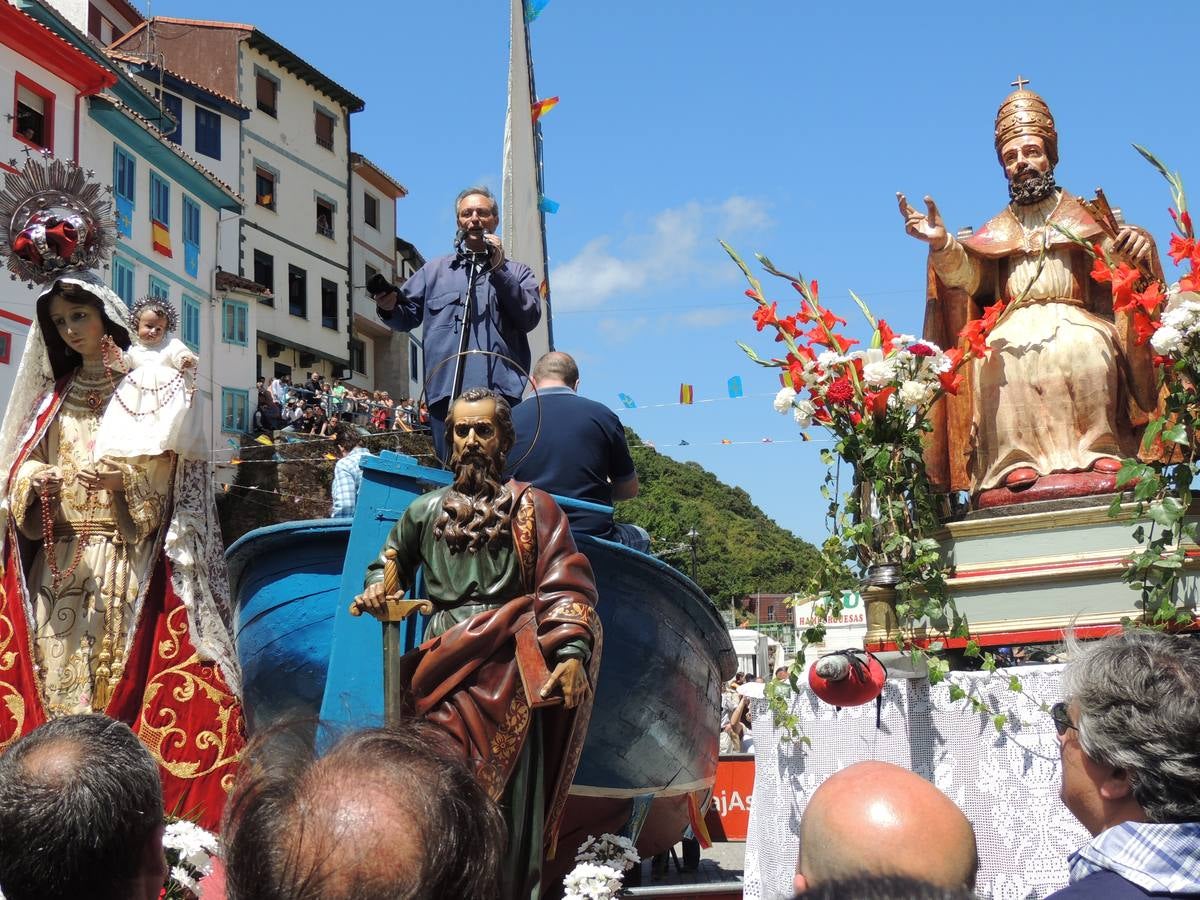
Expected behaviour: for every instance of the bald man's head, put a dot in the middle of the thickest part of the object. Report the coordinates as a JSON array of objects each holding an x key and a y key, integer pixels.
[{"x": 875, "y": 818}]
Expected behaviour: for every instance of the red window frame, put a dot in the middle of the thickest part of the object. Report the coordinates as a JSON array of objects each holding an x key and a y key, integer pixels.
[{"x": 48, "y": 98}]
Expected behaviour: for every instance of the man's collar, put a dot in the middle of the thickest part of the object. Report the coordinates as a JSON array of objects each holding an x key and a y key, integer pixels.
[
  {"x": 1161, "y": 858},
  {"x": 555, "y": 389}
]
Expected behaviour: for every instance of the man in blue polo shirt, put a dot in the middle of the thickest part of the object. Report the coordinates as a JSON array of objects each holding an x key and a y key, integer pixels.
[{"x": 580, "y": 451}]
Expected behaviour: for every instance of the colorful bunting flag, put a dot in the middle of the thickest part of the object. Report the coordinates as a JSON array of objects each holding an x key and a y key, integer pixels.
[
  {"x": 627, "y": 401},
  {"x": 683, "y": 443},
  {"x": 735, "y": 386},
  {"x": 533, "y": 8},
  {"x": 685, "y": 394},
  {"x": 544, "y": 290},
  {"x": 160, "y": 238},
  {"x": 546, "y": 205},
  {"x": 726, "y": 441},
  {"x": 785, "y": 379},
  {"x": 264, "y": 440},
  {"x": 541, "y": 107}
]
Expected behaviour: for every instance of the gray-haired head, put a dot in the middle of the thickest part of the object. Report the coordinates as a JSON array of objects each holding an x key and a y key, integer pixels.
[
  {"x": 1138, "y": 708},
  {"x": 557, "y": 366},
  {"x": 482, "y": 192},
  {"x": 82, "y": 799}
]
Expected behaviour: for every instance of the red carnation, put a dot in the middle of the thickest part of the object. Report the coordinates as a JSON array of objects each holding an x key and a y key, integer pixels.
[
  {"x": 919, "y": 349},
  {"x": 840, "y": 391}
]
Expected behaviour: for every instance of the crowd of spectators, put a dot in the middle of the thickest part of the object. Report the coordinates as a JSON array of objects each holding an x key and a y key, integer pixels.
[{"x": 316, "y": 406}]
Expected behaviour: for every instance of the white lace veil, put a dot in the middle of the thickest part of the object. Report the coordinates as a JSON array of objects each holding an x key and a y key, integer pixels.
[{"x": 193, "y": 537}]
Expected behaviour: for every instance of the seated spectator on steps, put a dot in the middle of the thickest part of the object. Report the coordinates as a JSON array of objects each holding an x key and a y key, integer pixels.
[
  {"x": 268, "y": 416},
  {"x": 874, "y": 818},
  {"x": 580, "y": 451},
  {"x": 81, "y": 814},
  {"x": 384, "y": 814},
  {"x": 1129, "y": 738}
]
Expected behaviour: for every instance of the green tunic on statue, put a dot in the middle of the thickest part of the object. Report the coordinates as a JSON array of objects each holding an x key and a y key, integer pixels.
[{"x": 461, "y": 586}]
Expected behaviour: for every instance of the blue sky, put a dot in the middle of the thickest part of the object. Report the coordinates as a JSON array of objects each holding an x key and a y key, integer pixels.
[{"x": 781, "y": 126}]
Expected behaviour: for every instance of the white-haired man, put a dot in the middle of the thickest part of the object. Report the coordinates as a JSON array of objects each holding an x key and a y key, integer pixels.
[{"x": 1129, "y": 734}]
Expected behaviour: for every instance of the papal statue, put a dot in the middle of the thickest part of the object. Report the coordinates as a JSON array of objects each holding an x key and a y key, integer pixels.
[{"x": 1067, "y": 390}]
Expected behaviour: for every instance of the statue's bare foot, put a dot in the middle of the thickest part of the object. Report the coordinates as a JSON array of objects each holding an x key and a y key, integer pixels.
[
  {"x": 1020, "y": 478},
  {"x": 1107, "y": 464}
]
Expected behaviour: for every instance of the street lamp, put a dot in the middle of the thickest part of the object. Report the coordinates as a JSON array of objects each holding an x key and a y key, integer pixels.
[{"x": 693, "y": 536}]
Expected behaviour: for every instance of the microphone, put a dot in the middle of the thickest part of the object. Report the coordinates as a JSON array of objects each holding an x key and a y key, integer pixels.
[{"x": 459, "y": 236}]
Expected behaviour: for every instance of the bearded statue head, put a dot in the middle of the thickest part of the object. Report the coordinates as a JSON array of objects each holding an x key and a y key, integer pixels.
[
  {"x": 1027, "y": 146},
  {"x": 477, "y": 510}
]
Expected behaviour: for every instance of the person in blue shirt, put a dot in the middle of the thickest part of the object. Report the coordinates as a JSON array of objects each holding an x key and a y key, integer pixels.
[
  {"x": 347, "y": 472},
  {"x": 504, "y": 309},
  {"x": 580, "y": 451}
]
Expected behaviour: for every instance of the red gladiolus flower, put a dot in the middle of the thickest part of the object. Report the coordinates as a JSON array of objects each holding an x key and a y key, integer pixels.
[
  {"x": 753, "y": 295},
  {"x": 920, "y": 349},
  {"x": 1181, "y": 248},
  {"x": 1100, "y": 270},
  {"x": 975, "y": 334},
  {"x": 815, "y": 292},
  {"x": 786, "y": 326},
  {"x": 885, "y": 336},
  {"x": 1185, "y": 220},
  {"x": 1190, "y": 282},
  {"x": 840, "y": 392},
  {"x": 1144, "y": 326},
  {"x": 830, "y": 319},
  {"x": 1149, "y": 298},
  {"x": 855, "y": 418},
  {"x": 951, "y": 381},
  {"x": 765, "y": 315},
  {"x": 1123, "y": 281},
  {"x": 991, "y": 314}
]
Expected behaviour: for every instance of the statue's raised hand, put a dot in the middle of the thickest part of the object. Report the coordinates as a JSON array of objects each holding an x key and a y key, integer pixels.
[{"x": 928, "y": 226}]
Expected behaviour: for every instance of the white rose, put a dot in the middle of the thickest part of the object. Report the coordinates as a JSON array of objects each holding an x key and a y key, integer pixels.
[
  {"x": 1167, "y": 341},
  {"x": 783, "y": 400},
  {"x": 914, "y": 393},
  {"x": 803, "y": 413}
]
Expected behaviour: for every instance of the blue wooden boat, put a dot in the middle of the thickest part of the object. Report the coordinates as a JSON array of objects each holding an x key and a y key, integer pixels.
[{"x": 652, "y": 741}]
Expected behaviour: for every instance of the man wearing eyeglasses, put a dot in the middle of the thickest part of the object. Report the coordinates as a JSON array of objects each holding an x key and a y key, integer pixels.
[
  {"x": 504, "y": 307},
  {"x": 1129, "y": 737}
]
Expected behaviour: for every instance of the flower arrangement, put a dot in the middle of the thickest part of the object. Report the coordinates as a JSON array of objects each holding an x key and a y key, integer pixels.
[
  {"x": 190, "y": 851},
  {"x": 601, "y": 864},
  {"x": 1169, "y": 318}
]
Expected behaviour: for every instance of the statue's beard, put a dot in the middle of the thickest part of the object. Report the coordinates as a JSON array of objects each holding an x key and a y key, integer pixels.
[
  {"x": 477, "y": 509},
  {"x": 1035, "y": 189}
]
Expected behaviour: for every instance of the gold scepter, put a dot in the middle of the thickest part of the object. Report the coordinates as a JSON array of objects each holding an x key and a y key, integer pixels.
[{"x": 395, "y": 610}]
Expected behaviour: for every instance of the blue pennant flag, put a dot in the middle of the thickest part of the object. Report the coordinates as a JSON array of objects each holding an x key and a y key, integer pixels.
[
  {"x": 735, "y": 386},
  {"x": 546, "y": 205},
  {"x": 627, "y": 401},
  {"x": 191, "y": 258},
  {"x": 533, "y": 8}
]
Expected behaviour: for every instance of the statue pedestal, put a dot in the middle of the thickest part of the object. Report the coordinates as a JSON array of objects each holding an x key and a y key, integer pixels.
[{"x": 1022, "y": 574}]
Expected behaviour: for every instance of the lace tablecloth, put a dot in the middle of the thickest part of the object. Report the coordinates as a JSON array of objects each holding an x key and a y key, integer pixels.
[{"x": 1006, "y": 782}]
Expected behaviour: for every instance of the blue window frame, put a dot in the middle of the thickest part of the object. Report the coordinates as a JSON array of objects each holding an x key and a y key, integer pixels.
[
  {"x": 191, "y": 221},
  {"x": 173, "y": 105},
  {"x": 123, "y": 279},
  {"x": 208, "y": 132},
  {"x": 190, "y": 326},
  {"x": 235, "y": 410},
  {"x": 124, "y": 171},
  {"x": 234, "y": 316},
  {"x": 159, "y": 288},
  {"x": 160, "y": 200}
]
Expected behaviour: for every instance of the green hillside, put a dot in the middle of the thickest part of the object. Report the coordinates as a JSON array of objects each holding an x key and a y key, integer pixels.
[{"x": 740, "y": 550}]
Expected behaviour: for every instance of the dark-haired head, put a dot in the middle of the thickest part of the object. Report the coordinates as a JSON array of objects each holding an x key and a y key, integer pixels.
[{"x": 64, "y": 360}]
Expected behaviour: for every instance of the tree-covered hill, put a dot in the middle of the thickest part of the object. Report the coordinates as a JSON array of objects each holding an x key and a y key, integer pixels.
[{"x": 740, "y": 551}]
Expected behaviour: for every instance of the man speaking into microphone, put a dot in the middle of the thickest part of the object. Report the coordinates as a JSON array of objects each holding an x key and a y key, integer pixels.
[{"x": 477, "y": 284}]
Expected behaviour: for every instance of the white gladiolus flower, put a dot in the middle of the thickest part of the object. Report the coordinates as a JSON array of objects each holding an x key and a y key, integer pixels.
[
  {"x": 783, "y": 400},
  {"x": 1167, "y": 341},
  {"x": 803, "y": 413},
  {"x": 914, "y": 393}
]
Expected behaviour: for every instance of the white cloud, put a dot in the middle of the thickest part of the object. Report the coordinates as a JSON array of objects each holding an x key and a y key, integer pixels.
[
  {"x": 620, "y": 330},
  {"x": 677, "y": 245}
]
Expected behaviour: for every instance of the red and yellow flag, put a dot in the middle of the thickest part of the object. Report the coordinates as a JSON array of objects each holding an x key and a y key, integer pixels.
[
  {"x": 685, "y": 394},
  {"x": 160, "y": 238},
  {"x": 541, "y": 107}
]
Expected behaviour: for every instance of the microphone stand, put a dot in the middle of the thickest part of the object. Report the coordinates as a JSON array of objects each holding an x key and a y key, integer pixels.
[{"x": 476, "y": 260}]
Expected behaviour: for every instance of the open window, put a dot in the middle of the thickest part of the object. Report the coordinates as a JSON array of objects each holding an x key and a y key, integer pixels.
[
  {"x": 370, "y": 210},
  {"x": 33, "y": 114},
  {"x": 324, "y": 218},
  {"x": 264, "y": 187}
]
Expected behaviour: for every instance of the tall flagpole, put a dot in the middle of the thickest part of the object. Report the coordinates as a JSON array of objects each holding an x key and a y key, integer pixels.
[{"x": 524, "y": 221}]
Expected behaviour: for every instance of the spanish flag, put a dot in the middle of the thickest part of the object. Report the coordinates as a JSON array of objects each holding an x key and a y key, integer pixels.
[
  {"x": 160, "y": 238},
  {"x": 685, "y": 394},
  {"x": 541, "y": 107}
]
